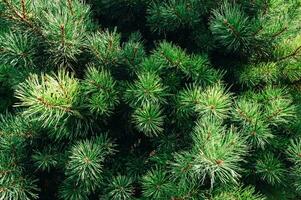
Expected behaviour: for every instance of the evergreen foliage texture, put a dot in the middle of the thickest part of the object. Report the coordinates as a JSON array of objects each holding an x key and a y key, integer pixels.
[{"x": 150, "y": 99}]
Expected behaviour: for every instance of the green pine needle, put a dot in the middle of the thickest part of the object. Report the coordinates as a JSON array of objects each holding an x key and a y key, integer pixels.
[
  {"x": 215, "y": 101},
  {"x": 120, "y": 188},
  {"x": 86, "y": 164},
  {"x": 149, "y": 119},
  {"x": 156, "y": 184},
  {"x": 270, "y": 169},
  {"x": 147, "y": 89}
]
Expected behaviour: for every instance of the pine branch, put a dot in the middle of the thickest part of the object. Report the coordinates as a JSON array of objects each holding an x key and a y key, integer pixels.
[{"x": 22, "y": 17}]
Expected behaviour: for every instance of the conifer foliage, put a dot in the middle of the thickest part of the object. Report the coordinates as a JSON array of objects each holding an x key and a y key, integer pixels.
[{"x": 139, "y": 99}]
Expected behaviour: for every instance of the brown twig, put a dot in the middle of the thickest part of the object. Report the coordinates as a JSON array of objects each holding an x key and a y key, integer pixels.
[
  {"x": 234, "y": 31},
  {"x": 62, "y": 34},
  {"x": 171, "y": 62},
  {"x": 134, "y": 55},
  {"x": 23, "y": 9},
  {"x": 280, "y": 32},
  {"x": 258, "y": 31},
  {"x": 70, "y": 6},
  {"x": 53, "y": 106},
  {"x": 264, "y": 13},
  {"x": 294, "y": 53}
]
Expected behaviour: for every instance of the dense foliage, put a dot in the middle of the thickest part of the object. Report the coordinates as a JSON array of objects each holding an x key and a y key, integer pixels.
[{"x": 149, "y": 99}]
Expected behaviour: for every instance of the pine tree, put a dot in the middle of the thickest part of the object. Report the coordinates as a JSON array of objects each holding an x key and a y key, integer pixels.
[{"x": 139, "y": 99}]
